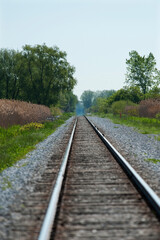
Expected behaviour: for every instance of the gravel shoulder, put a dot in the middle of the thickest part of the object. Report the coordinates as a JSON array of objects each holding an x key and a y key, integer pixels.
[{"x": 135, "y": 147}]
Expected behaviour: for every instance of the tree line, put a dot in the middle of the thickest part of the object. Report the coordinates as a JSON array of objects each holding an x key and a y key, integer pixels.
[
  {"x": 38, "y": 74},
  {"x": 142, "y": 82}
]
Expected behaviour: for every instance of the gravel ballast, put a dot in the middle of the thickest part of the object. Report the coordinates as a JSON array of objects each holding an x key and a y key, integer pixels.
[
  {"x": 16, "y": 178},
  {"x": 137, "y": 148}
]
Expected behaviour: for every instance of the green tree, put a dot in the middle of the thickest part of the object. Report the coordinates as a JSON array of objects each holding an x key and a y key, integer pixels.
[
  {"x": 67, "y": 101},
  {"x": 141, "y": 71},
  {"x": 87, "y": 98},
  {"x": 37, "y": 74},
  {"x": 132, "y": 93},
  {"x": 105, "y": 93},
  {"x": 48, "y": 73},
  {"x": 10, "y": 67},
  {"x": 153, "y": 93},
  {"x": 100, "y": 105}
]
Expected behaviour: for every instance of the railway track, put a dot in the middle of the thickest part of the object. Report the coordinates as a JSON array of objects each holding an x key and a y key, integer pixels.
[{"x": 97, "y": 199}]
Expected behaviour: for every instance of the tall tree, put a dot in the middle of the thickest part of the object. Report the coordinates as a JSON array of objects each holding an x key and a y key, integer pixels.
[
  {"x": 141, "y": 71},
  {"x": 48, "y": 73},
  {"x": 38, "y": 74}
]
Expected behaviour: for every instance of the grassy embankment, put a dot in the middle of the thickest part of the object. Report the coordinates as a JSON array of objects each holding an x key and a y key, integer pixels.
[
  {"x": 141, "y": 124},
  {"x": 17, "y": 140}
]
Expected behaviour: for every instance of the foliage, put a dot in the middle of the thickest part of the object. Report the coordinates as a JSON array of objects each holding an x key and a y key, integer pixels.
[
  {"x": 158, "y": 115},
  {"x": 56, "y": 111},
  {"x": 100, "y": 105},
  {"x": 67, "y": 101},
  {"x": 128, "y": 94},
  {"x": 37, "y": 74},
  {"x": 91, "y": 100},
  {"x": 103, "y": 94},
  {"x": 132, "y": 110},
  {"x": 153, "y": 93},
  {"x": 141, "y": 71},
  {"x": 10, "y": 68},
  {"x": 16, "y": 141},
  {"x": 31, "y": 126},
  {"x": 119, "y": 106}
]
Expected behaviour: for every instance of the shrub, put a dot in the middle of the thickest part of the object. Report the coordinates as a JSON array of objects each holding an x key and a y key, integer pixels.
[
  {"x": 14, "y": 112},
  {"x": 31, "y": 126},
  {"x": 158, "y": 115},
  {"x": 149, "y": 108},
  {"x": 119, "y": 106},
  {"x": 55, "y": 111},
  {"x": 132, "y": 110}
]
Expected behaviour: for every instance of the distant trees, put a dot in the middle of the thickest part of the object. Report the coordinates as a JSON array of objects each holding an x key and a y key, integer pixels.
[
  {"x": 38, "y": 74},
  {"x": 141, "y": 71},
  {"x": 87, "y": 98},
  {"x": 94, "y": 100},
  {"x": 142, "y": 80},
  {"x": 67, "y": 101},
  {"x": 103, "y": 94},
  {"x": 79, "y": 108},
  {"x": 132, "y": 93}
]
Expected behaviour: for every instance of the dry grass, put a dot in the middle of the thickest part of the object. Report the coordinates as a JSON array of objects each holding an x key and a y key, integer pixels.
[
  {"x": 149, "y": 108},
  {"x": 13, "y": 112}
]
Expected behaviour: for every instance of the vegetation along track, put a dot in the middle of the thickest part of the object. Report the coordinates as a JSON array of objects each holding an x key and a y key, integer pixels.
[{"x": 97, "y": 200}]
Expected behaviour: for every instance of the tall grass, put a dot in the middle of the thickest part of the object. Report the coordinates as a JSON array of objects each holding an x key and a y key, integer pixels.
[
  {"x": 149, "y": 108},
  {"x": 17, "y": 140},
  {"x": 13, "y": 112}
]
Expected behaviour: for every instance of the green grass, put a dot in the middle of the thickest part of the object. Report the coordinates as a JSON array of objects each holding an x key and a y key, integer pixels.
[
  {"x": 153, "y": 160},
  {"x": 142, "y": 125},
  {"x": 6, "y": 183},
  {"x": 16, "y": 141}
]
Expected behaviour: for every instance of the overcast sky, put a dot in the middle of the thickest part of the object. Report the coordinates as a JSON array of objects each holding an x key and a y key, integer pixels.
[{"x": 96, "y": 34}]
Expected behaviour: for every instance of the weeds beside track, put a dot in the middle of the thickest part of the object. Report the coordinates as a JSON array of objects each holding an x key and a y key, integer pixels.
[
  {"x": 141, "y": 124},
  {"x": 16, "y": 141}
]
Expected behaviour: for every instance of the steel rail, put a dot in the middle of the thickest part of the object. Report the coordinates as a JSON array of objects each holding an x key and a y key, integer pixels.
[
  {"x": 52, "y": 207},
  {"x": 150, "y": 196}
]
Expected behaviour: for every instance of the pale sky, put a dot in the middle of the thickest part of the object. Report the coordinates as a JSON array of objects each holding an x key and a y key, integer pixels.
[{"x": 96, "y": 34}]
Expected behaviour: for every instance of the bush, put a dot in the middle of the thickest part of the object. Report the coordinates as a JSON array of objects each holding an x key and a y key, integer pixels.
[
  {"x": 132, "y": 110},
  {"x": 14, "y": 112},
  {"x": 31, "y": 126},
  {"x": 55, "y": 111},
  {"x": 119, "y": 106},
  {"x": 149, "y": 108},
  {"x": 158, "y": 115},
  {"x": 100, "y": 106}
]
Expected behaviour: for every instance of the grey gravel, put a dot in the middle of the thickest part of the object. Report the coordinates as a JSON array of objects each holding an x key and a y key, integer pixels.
[
  {"x": 137, "y": 148},
  {"x": 17, "y": 177}
]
